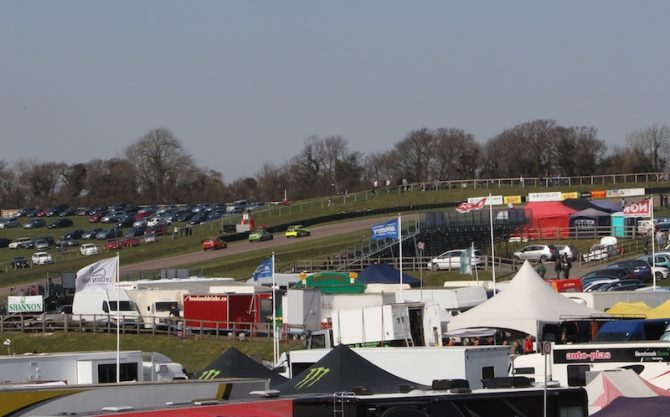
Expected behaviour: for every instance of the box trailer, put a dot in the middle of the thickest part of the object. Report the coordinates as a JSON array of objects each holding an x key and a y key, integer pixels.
[
  {"x": 214, "y": 312},
  {"x": 404, "y": 324}
]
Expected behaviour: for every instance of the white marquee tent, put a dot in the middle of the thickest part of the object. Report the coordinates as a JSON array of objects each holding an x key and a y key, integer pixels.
[{"x": 525, "y": 304}]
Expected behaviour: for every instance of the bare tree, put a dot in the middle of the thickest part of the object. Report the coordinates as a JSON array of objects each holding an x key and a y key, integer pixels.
[
  {"x": 654, "y": 142},
  {"x": 456, "y": 155},
  {"x": 415, "y": 154},
  {"x": 159, "y": 161}
]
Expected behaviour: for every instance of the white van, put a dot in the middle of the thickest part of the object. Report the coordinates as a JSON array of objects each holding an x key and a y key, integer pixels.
[{"x": 101, "y": 305}]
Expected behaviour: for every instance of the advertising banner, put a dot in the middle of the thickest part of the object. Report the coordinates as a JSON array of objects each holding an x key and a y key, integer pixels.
[{"x": 25, "y": 304}]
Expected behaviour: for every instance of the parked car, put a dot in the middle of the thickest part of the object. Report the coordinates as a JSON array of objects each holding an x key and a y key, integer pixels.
[
  {"x": 662, "y": 259},
  {"x": 34, "y": 224},
  {"x": 537, "y": 253},
  {"x": 624, "y": 285},
  {"x": 260, "y": 235},
  {"x": 90, "y": 234},
  {"x": 595, "y": 285},
  {"x": 130, "y": 242},
  {"x": 621, "y": 273},
  {"x": 297, "y": 230},
  {"x": 452, "y": 260},
  {"x": 19, "y": 262},
  {"x": 157, "y": 230},
  {"x": 7, "y": 223},
  {"x": 639, "y": 268},
  {"x": 67, "y": 243},
  {"x": 113, "y": 245},
  {"x": 73, "y": 234},
  {"x": 135, "y": 231},
  {"x": 19, "y": 242},
  {"x": 88, "y": 249},
  {"x": 106, "y": 234},
  {"x": 40, "y": 244},
  {"x": 4, "y": 242},
  {"x": 213, "y": 243},
  {"x": 42, "y": 258},
  {"x": 571, "y": 251},
  {"x": 60, "y": 223}
]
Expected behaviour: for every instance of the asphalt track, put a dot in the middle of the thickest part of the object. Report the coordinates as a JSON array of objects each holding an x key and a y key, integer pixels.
[{"x": 317, "y": 232}]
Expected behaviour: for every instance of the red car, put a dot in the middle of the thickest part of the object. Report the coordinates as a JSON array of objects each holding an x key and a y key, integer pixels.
[
  {"x": 213, "y": 243},
  {"x": 95, "y": 217},
  {"x": 113, "y": 245},
  {"x": 158, "y": 230},
  {"x": 130, "y": 242}
]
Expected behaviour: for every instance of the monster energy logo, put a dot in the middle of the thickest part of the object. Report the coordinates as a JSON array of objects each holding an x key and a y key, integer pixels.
[
  {"x": 313, "y": 376},
  {"x": 210, "y": 374}
]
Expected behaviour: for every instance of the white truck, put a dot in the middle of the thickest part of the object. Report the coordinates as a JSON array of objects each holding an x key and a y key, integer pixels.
[
  {"x": 102, "y": 306},
  {"x": 156, "y": 306}
]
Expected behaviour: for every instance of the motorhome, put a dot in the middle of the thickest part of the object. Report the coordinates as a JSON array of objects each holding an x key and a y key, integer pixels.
[{"x": 103, "y": 305}]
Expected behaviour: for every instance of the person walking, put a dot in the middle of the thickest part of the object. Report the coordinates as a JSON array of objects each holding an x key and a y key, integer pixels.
[
  {"x": 566, "y": 265},
  {"x": 541, "y": 270},
  {"x": 558, "y": 268}
]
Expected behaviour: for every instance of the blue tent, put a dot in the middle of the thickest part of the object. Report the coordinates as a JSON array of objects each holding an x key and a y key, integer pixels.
[{"x": 385, "y": 274}]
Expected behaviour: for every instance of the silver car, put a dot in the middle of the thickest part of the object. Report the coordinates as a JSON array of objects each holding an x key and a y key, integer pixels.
[
  {"x": 452, "y": 260},
  {"x": 537, "y": 253}
]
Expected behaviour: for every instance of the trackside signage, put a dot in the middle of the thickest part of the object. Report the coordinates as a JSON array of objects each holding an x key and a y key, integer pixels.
[
  {"x": 27, "y": 304},
  {"x": 549, "y": 196},
  {"x": 627, "y": 354}
]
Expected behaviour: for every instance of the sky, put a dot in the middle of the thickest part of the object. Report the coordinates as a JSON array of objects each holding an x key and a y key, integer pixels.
[{"x": 242, "y": 83}]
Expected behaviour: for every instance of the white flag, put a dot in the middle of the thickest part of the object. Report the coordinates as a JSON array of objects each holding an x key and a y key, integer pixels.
[{"x": 101, "y": 274}]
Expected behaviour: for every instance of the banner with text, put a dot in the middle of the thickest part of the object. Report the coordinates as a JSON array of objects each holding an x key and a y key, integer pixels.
[
  {"x": 625, "y": 192},
  {"x": 495, "y": 200},
  {"x": 25, "y": 304},
  {"x": 639, "y": 209},
  {"x": 388, "y": 230},
  {"x": 549, "y": 196}
]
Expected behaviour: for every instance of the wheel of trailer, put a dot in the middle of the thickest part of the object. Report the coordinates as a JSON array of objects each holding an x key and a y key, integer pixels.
[{"x": 434, "y": 267}]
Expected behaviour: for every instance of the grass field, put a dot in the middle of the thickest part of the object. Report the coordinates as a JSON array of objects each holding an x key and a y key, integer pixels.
[{"x": 194, "y": 354}]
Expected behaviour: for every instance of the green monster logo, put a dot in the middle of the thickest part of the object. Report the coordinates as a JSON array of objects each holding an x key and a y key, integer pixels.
[
  {"x": 210, "y": 374},
  {"x": 313, "y": 376}
]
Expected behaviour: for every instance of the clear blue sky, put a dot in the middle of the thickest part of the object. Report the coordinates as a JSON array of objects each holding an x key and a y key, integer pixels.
[{"x": 246, "y": 82}]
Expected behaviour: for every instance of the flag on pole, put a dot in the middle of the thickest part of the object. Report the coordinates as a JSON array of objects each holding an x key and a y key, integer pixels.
[
  {"x": 101, "y": 274},
  {"x": 639, "y": 209},
  {"x": 264, "y": 270},
  {"x": 466, "y": 261},
  {"x": 387, "y": 230},
  {"x": 468, "y": 207}
]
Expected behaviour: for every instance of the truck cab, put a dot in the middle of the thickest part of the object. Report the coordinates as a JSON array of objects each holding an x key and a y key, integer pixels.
[{"x": 630, "y": 330}]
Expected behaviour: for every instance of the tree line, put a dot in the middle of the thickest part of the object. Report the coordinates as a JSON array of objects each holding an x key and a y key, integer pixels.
[{"x": 157, "y": 169}]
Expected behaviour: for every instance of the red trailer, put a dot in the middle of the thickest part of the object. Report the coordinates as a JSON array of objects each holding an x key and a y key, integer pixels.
[{"x": 212, "y": 312}]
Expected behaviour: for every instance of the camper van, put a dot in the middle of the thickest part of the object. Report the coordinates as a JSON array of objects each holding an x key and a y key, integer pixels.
[{"x": 100, "y": 305}]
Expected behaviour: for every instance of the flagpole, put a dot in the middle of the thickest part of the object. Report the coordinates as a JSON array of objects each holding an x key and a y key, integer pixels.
[
  {"x": 118, "y": 323},
  {"x": 653, "y": 238},
  {"x": 493, "y": 250},
  {"x": 275, "y": 344},
  {"x": 400, "y": 251}
]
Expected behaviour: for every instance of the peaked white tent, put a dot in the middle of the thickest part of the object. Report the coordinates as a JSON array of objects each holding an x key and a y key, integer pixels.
[
  {"x": 609, "y": 385},
  {"x": 525, "y": 305}
]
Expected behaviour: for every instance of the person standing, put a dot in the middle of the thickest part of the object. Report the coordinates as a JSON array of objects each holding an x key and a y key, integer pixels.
[
  {"x": 558, "y": 268},
  {"x": 541, "y": 270},
  {"x": 566, "y": 265}
]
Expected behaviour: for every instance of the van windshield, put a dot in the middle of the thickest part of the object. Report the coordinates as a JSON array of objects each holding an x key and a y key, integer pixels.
[{"x": 125, "y": 306}]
